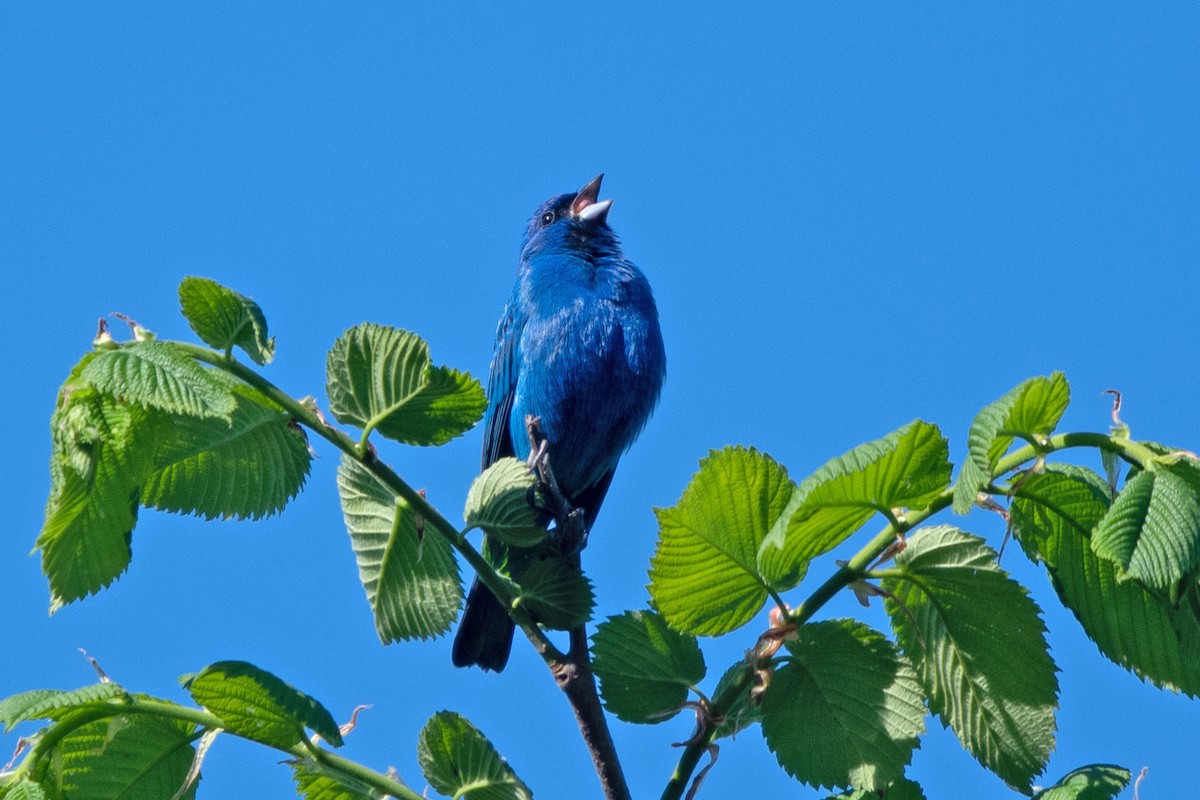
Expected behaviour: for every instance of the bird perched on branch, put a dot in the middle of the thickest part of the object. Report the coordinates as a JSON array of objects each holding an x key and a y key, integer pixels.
[{"x": 579, "y": 346}]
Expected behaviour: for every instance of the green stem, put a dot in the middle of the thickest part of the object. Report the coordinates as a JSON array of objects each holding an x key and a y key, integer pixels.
[
  {"x": 720, "y": 706},
  {"x": 572, "y": 671},
  {"x": 856, "y": 568},
  {"x": 363, "y": 455},
  {"x": 1127, "y": 449}
]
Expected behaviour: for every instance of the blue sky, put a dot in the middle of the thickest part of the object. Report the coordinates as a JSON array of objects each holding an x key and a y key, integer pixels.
[{"x": 851, "y": 216}]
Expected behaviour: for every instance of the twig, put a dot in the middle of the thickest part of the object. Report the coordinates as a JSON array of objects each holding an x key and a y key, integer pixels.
[{"x": 573, "y": 673}]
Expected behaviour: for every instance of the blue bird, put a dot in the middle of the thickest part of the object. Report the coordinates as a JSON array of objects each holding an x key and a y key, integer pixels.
[{"x": 579, "y": 346}]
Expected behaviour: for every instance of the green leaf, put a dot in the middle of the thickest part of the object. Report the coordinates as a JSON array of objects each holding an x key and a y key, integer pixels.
[
  {"x": 1152, "y": 530},
  {"x": 102, "y": 452},
  {"x": 460, "y": 762},
  {"x": 709, "y": 574},
  {"x": 52, "y": 703},
  {"x": 908, "y": 468},
  {"x": 845, "y": 710},
  {"x": 1093, "y": 782},
  {"x": 312, "y": 784},
  {"x": 499, "y": 503},
  {"x": 159, "y": 375},
  {"x": 1030, "y": 411},
  {"x": 381, "y": 378},
  {"x": 1053, "y": 515},
  {"x": 253, "y": 703},
  {"x": 745, "y": 711},
  {"x": 411, "y": 580},
  {"x": 125, "y": 757},
  {"x": 978, "y": 643},
  {"x": 556, "y": 593},
  {"x": 22, "y": 790},
  {"x": 222, "y": 318},
  {"x": 247, "y": 467},
  {"x": 901, "y": 790},
  {"x": 645, "y": 668}
]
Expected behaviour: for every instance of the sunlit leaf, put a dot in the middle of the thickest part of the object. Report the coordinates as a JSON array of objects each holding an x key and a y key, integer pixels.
[
  {"x": 1053, "y": 515},
  {"x": 381, "y": 378},
  {"x": 499, "y": 502},
  {"x": 125, "y": 757},
  {"x": 222, "y": 318},
  {"x": 846, "y": 710},
  {"x": 706, "y": 576},
  {"x": 410, "y": 576},
  {"x": 159, "y": 375},
  {"x": 313, "y": 784},
  {"x": 253, "y": 703},
  {"x": 460, "y": 762},
  {"x": 102, "y": 454},
  {"x": 247, "y": 467},
  {"x": 908, "y": 468},
  {"x": 1030, "y": 411},
  {"x": 1152, "y": 529},
  {"x": 51, "y": 703},
  {"x": 978, "y": 644},
  {"x": 23, "y": 790},
  {"x": 1093, "y": 782}
]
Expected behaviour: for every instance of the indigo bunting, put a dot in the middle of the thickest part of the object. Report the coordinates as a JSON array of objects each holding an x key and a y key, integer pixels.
[{"x": 579, "y": 346}]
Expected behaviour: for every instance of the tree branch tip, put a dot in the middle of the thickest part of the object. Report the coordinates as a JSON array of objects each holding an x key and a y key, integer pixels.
[{"x": 1137, "y": 784}]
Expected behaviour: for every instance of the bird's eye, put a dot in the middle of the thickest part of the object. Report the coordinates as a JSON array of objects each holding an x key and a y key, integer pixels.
[{"x": 547, "y": 218}]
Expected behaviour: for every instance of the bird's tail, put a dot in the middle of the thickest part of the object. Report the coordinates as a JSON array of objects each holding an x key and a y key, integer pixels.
[{"x": 485, "y": 634}]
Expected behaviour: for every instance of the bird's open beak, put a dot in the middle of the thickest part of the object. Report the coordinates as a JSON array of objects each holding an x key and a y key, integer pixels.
[{"x": 585, "y": 206}]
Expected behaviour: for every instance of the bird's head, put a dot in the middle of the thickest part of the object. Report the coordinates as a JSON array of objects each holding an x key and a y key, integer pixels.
[{"x": 574, "y": 221}]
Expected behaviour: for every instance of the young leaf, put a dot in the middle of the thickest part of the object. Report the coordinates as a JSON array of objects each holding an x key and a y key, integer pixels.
[
  {"x": 978, "y": 644},
  {"x": 908, "y": 468},
  {"x": 1053, "y": 514},
  {"x": 102, "y": 453},
  {"x": 1093, "y": 782},
  {"x": 410, "y": 577},
  {"x": 459, "y": 761},
  {"x": 253, "y": 703},
  {"x": 23, "y": 790},
  {"x": 124, "y": 757},
  {"x": 381, "y": 378},
  {"x": 556, "y": 593},
  {"x": 222, "y": 318},
  {"x": 706, "y": 576},
  {"x": 247, "y": 467},
  {"x": 1031, "y": 411},
  {"x": 846, "y": 710},
  {"x": 645, "y": 668},
  {"x": 1152, "y": 530},
  {"x": 159, "y": 375},
  {"x": 52, "y": 703},
  {"x": 499, "y": 503},
  {"x": 315, "y": 785}
]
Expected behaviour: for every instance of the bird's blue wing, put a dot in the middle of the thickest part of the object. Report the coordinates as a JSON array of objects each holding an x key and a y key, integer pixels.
[{"x": 502, "y": 387}]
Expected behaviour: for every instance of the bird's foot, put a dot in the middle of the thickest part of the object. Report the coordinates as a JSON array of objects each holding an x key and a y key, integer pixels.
[{"x": 571, "y": 533}]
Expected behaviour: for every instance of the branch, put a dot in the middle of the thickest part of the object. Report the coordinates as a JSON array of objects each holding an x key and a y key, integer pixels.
[
  {"x": 388, "y": 477},
  {"x": 857, "y": 567},
  {"x": 572, "y": 671}
]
